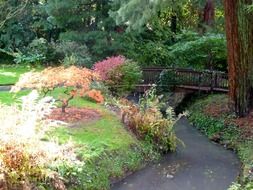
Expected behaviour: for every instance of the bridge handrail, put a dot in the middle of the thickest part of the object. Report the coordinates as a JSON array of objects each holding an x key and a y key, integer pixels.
[{"x": 206, "y": 78}]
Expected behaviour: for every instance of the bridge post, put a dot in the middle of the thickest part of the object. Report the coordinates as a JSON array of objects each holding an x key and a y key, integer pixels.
[
  {"x": 212, "y": 81},
  {"x": 216, "y": 80},
  {"x": 200, "y": 80}
]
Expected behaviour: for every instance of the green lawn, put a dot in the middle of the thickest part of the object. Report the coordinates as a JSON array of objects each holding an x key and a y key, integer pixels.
[
  {"x": 11, "y": 74},
  {"x": 106, "y": 147},
  {"x": 10, "y": 98}
]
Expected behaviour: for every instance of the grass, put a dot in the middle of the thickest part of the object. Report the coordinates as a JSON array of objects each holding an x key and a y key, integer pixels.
[
  {"x": 223, "y": 129},
  {"x": 10, "y": 74},
  {"x": 10, "y": 98},
  {"x": 108, "y": 150}
]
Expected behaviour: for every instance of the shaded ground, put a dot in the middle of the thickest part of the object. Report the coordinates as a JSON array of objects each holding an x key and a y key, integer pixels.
[
  {"x": 220, "y": 107},
  {"x": 201, "y": 165}
]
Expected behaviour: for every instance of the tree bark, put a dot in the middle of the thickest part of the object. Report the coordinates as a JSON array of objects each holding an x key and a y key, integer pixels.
[
  {"x": 209, "y": 13},
  {"x": 239, "y": 30},
  {"x": 173, "y": 25},
  {"x": 206, "y": 16}
]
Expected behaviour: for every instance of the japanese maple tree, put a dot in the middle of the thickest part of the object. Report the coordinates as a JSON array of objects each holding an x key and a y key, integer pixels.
[{"x": 76, "y": 82}]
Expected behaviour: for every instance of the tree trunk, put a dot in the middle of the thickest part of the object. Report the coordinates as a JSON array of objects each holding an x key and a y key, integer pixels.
[
  {"x": 239, "y": 29},
  {"x": 173, "y": 25},
  {"x": 209, "y": 13},
  {"x": 206, "y": 16}
]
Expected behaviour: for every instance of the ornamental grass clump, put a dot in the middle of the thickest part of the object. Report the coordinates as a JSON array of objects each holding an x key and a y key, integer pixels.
[
  {"x": 25, "y": 160},
  {"x": 148, "y": 123}
]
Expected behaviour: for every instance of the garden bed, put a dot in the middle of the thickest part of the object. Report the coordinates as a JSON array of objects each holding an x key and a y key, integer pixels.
[
  {"x": 75, "y": 115},
  {"x": 108, "y": 150}
]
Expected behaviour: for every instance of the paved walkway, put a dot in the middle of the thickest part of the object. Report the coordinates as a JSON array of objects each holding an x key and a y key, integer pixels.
[
  {"x": 5, "y": 88},
  {"x": 201, "y": 165}
]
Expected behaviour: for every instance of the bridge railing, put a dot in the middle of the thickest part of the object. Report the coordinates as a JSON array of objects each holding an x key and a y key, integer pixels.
[{"x": 216, "y": 81}]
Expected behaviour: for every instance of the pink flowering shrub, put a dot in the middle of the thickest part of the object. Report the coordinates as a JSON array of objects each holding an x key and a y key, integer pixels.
[{"x": 103, "y": 67}]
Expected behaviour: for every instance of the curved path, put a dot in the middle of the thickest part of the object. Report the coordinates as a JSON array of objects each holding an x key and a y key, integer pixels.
[
  {"x": 5, "y": 88},
  {"x": 201, "y": 165}
]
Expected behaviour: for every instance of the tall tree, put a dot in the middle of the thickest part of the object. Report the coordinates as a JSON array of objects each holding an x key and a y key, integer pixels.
[
  {"x": 86, "y": 22},
  {"x": 136, "y": 13},
  {"x": 239, "y": 29},
  {"x": 209, "y": 13}
]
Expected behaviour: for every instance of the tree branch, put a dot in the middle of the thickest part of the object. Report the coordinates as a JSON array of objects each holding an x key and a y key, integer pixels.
[{"x": 14, "y": 13}]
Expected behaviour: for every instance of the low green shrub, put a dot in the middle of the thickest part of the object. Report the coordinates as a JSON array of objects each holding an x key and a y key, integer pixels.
[
  {"x": 167, "y": 80},
  {"x": 30, "y": 59},
  {"x": 123, "y": 78},
  {"x": 237, "y": 186},
  {"x": 215, "y": 128},
  {"x": 72, "y": 53}
]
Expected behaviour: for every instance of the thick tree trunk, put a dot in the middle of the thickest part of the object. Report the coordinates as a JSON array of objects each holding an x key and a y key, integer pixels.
[{"x": 239, "y": 29}]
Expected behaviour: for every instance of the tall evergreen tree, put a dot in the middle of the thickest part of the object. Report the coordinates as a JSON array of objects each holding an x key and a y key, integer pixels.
[
  {"x": 136, "y": 13},
  {"x": 86, "y": 22}
]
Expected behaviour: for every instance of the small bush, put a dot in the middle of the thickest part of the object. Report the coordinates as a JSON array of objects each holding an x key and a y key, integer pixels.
[
  {"x": 123, "y": 78},
  {"x": 105, "y": 66},
  {"x": 147, "y": 122},
  {"x": 67, "y": 50},
  {"x": 167, "y": 80},
  {"x": 95, "y": 95},
  {"x": 25, "y": 160},
  {"x": 30, "y": 59}
]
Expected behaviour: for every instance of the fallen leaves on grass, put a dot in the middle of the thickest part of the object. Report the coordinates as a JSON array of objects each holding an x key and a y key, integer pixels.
[
  {"x": 246, "y": 124},
  {"x": 74, "y": 115},
  {"x": 220, "y": 108}
]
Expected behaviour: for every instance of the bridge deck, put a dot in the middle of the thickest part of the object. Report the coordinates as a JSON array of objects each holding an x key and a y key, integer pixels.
[{"x": 144, "y": 87}]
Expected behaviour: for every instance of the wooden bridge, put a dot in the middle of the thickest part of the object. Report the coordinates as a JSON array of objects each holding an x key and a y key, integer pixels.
[{"x": 186, "y": 79}]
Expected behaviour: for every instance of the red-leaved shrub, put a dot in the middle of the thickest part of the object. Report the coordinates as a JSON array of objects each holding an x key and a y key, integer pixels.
[{"x": 103, "y": 67}]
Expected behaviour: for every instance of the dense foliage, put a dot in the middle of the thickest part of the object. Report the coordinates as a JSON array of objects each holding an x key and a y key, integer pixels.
[
  {"x": 90, "y": 31},
  {"x": 119, "y": 74},
  {"x": 124, "y": 78},
  {"x": 201, "y": 52}
]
